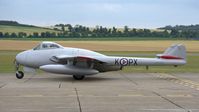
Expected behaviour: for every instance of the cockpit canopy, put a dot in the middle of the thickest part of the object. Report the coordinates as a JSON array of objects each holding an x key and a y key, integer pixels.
[{"x": 47, "y": 45}]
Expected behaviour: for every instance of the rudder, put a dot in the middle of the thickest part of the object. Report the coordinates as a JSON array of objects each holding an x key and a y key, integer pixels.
[{"x": 177, "y": 51}]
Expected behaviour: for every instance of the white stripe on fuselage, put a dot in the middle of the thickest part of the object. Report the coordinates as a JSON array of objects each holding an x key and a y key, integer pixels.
[{"x": 135, "y": 61}]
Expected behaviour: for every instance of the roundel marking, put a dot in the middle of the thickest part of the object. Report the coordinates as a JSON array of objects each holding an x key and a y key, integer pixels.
[{"x": 124, "y": 62}]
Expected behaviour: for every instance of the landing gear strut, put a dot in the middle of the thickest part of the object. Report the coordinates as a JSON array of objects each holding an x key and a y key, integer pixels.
[
  {"x": 19, "y": 74},
  {"x": 78, "y": 77}
]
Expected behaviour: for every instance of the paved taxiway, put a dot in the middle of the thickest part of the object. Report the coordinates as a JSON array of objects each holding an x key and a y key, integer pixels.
[{"x": 109, "y": 92}]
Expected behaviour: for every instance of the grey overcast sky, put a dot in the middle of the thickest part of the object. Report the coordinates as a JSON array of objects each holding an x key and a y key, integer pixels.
[{"x": 134, "y": 13}]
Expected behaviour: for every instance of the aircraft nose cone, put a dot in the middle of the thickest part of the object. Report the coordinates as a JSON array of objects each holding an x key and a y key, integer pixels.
[{"x": 21, "y": 57}]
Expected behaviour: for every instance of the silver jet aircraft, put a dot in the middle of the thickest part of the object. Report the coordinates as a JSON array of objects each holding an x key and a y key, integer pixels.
[{"x": 54, "y": 58}]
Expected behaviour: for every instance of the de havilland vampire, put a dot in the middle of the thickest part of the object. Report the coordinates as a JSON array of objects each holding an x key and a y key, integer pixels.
[{"x": 54, "y": 58}]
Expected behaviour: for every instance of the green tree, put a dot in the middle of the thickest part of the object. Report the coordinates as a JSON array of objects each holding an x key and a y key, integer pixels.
[
  {"x": 13, "y": 35},
  {"x": 1, "y": 34},
  {"x": 146, "y": 33},
  {"x": 114, "y": 32},
  {"x": 22, "y": 35},
  {"x": 62, "y": 27},
  {"x": 48, "y": 34},
  {"x": 165, "y": 33},
  {"x": 174, "y": 33},
  {"x": 53, "y": 34},
  {"x": 43, "y": 34},
  {"x": 140, "y": 33},
  {"x": 6, "y": 34},
  {"x": 133, "y": 32},
  {"x": 126, "y": 31},
  {"x": 69, "y": 26},
  {"x": 35, "y": 34},
  {"x": 60, "y": 35}
]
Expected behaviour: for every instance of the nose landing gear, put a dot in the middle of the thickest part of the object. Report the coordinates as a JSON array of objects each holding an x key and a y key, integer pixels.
[{"x": 19, "y": 74}]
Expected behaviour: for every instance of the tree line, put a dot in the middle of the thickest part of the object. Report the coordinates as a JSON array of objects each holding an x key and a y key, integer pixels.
[
  {"x": 14, "y": 23},
  {"x": 182, "y": 27},
  {"x": 79, "y": 31}
]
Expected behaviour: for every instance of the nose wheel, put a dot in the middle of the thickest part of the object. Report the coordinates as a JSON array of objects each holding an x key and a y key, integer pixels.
[{"x": 19, "y": 74}]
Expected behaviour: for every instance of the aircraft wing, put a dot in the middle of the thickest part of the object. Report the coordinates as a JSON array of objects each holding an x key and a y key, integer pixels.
[
  {"x": 64, "y": 58},
  {"x": 92, "y": 64}
]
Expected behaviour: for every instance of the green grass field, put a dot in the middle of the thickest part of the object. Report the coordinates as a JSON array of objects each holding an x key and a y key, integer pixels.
[
  {"x": 95, "y": 39},
  {"x": 7, "y": 58},
  {"x": 6, "y": 61},
  {"x": 26, "y": 29}
]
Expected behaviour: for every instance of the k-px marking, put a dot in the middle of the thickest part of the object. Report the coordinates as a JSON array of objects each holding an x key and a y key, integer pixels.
[{"x": 126, "y": 62}]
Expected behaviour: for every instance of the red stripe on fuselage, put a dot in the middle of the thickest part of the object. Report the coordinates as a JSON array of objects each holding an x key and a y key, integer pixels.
[
  {"x": 84, "y": 58},
  {"x": 170, "y": 57}
]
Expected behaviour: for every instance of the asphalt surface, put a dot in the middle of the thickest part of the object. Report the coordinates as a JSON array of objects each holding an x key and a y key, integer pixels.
[{"x": 108, "y": 92}]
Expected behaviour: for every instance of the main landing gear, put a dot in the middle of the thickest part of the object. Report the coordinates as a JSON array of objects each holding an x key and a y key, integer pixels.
[
  {"x": 78, "y": 77},
  {"x": 19, "y": 74}
]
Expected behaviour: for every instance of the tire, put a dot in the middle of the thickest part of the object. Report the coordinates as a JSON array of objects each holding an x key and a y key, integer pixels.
[
  {"x": 78, "y": 77},
  {"x": 19, "y": 74}
]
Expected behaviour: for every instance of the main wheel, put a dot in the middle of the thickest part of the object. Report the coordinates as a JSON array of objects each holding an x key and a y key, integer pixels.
[
  {"x": 78, "y": 77},
  {"x": 19, "y": 74}
]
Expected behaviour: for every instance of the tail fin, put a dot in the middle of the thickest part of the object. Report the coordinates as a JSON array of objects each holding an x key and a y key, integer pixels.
[{"x": 177, "y": 51}]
